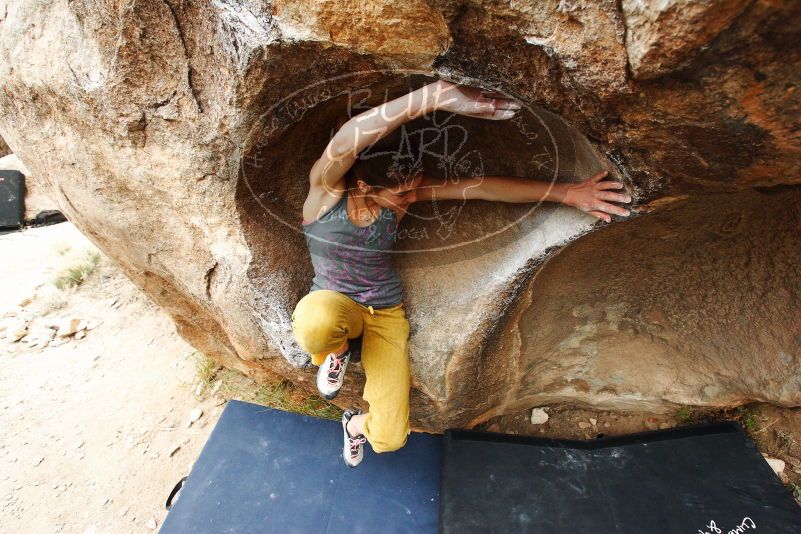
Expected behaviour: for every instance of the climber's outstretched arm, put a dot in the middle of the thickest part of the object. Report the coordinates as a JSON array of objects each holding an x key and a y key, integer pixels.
[
  {"x": 591, "y": 195},
  {"x": 368, "y": 127},
  {"x": 363, "y": 130}
]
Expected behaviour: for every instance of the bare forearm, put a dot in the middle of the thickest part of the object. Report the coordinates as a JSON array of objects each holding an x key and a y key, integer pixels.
[
  {"x": 513, "y": 189},
  {"x": 368, "y": 127},
  {"x": 591, "y": 195}
]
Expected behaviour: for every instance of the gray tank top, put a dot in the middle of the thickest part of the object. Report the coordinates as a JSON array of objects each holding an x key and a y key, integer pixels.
[{"x": 353, "y": 260}]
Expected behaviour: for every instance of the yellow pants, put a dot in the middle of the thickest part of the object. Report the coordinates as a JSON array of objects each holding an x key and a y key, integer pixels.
[{"x": 321, "y": 322}]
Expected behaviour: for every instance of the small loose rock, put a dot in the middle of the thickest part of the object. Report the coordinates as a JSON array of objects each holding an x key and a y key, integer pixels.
[
  {"x": 67, "y": 327},
  {"x": 776, "y": 464},
  {"x": 194, "y": 416},
  {"x": 538, "y": 416}
]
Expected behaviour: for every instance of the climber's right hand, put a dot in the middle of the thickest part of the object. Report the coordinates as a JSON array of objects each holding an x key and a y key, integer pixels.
[
  {"x": 472, "y": 101},
  {"x": 593, "y": 197}
]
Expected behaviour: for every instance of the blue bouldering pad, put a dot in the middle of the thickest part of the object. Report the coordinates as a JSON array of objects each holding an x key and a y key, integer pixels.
[{"x": 264, "y": 470}]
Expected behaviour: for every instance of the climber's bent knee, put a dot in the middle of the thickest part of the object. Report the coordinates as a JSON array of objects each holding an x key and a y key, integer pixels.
[
  {"x": 317, "y": 323},
  {"x": 322, "y": 321}
]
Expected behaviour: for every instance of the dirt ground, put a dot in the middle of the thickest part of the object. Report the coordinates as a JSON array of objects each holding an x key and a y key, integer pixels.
[
  {"x": 96, "y": 430},
  {"x": 90, "y": 426}
]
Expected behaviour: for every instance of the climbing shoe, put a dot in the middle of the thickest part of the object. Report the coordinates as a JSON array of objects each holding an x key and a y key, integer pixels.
[
  {"x": 331, "y": 374},
  {"x": 353, "y": 446}
]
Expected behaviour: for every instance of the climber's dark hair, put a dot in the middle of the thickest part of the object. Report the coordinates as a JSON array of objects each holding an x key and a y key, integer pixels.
[{"x": 386, "y": 163}]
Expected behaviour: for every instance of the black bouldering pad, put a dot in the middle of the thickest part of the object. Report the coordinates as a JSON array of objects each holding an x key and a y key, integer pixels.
[
  {"x": 12, "y": 199},
  {"x": 265, "y": 470},
  {"x": 671, "y": 481}
]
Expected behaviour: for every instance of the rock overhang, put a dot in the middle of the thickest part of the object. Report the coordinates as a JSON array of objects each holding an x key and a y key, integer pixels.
[{"x": 142, "y": 144}]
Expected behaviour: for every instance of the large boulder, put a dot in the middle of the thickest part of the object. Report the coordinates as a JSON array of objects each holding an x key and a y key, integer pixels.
[{"x": 178, "y": 137}]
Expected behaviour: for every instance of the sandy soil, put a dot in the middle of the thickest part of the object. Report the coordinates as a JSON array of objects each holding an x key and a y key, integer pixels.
[{"x": 89, "y": 425}]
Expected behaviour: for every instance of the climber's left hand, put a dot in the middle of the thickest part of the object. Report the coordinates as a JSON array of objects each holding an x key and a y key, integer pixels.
[
  {"x": 593, "y": 196},
  {"x": 472, "y": 101}
]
